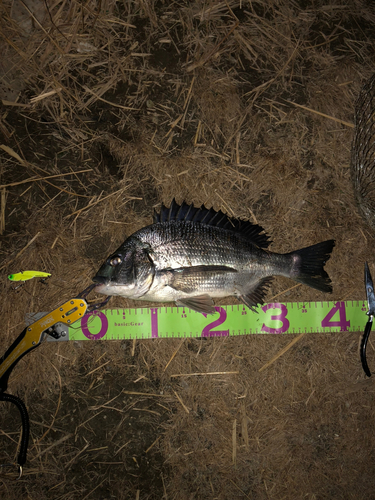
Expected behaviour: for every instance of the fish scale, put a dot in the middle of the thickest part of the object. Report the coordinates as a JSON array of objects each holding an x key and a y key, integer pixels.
[{"x": 191, "y": 244}]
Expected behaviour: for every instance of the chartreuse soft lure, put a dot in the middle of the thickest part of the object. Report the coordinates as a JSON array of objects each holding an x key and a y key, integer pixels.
[{"x": 27, "y": 275}]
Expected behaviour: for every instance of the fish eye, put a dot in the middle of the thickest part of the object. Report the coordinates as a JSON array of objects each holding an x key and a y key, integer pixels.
[{"x": 115, "y": 261}]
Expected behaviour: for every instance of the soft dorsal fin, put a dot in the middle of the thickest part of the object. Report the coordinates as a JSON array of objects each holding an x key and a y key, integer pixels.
[{"x": 184, "y": 212}]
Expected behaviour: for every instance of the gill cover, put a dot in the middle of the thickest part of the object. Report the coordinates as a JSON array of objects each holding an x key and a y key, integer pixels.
[{"x": 130, "y": 267}]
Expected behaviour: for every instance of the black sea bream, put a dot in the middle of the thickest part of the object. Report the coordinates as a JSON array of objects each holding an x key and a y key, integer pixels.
[{"x": 190, "y": 255}]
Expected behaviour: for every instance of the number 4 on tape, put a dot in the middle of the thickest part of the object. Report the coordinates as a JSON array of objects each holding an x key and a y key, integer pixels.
[{"x": 342, "y": 323}]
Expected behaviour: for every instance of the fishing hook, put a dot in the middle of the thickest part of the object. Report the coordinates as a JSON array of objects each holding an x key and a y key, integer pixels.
[{"x": 98, "y": 305}]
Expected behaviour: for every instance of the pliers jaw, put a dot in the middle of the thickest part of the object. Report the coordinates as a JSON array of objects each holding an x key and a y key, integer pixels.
[
  {"x": 369, "y": 292},
  {"x": 371, "y": 312},
  {"x": 98, "y": 305}
]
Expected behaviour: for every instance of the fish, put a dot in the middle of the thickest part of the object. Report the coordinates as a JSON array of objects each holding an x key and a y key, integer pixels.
[{"x": 191, "y": 255}]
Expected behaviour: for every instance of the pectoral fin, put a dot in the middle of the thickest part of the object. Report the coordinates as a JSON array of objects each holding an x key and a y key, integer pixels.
[
  {"x": 200, "y": 303},
  {"x": 190, "y": 279}
]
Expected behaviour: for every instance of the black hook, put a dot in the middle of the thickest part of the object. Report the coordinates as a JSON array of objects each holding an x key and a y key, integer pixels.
[{"x": 98, "y": 305}]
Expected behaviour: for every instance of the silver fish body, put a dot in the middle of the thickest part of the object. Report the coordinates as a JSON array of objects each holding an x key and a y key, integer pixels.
[{"x": 191, "y": 255}]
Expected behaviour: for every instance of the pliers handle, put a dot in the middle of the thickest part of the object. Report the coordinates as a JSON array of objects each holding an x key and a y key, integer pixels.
[{"x": 31, "y": 337}]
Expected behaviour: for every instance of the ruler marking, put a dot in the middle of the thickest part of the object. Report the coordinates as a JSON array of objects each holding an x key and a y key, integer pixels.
[{"x": 233, "y": 320}]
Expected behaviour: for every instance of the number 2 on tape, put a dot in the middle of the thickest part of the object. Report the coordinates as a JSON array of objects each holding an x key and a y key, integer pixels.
[{"x": 207, "y": 330}]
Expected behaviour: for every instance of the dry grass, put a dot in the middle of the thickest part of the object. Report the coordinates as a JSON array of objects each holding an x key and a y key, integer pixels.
[{"x": 110, "y": 108}]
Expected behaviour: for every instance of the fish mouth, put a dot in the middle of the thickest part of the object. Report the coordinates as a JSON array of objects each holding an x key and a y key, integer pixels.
[
  {"x": 101, "y": 284},
  {"x": 105, "y": 289},
  {"x": 105, "y": 286},
  {"x": 101, "y": 280}
]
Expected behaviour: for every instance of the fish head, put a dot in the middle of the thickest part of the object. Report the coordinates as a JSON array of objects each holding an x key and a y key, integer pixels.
[{"x": 129, "y": 272}]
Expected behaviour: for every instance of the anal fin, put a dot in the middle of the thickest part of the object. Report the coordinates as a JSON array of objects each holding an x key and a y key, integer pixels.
[
  {"x": 200, "y": 303},
  {"x": 255, "y": 296}
]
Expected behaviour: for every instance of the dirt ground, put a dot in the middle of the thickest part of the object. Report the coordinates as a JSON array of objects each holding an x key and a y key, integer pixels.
[{"x": 109, "y": 109}]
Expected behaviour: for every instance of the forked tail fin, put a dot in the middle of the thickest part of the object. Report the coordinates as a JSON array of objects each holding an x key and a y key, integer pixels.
[{"x": 308, "y": 265}]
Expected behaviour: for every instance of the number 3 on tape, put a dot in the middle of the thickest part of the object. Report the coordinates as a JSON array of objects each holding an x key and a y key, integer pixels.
[{"x": 277, "y": 317}]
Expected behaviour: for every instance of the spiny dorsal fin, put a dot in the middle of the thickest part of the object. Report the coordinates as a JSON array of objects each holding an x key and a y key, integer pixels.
[{"x": 184, "y": 212}]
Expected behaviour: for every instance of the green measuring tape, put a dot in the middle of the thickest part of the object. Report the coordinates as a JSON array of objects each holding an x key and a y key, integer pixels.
[{"x": 180, "y": 322}]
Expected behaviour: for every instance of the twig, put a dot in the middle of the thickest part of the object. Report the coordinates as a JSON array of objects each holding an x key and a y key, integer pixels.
[
  {"x": 3, "y": 200},
  {"x": 39, "y": 97},
  {"x": 239, "y": 489},
  {"x": 93, "y": 204},
  {"x": 52, "y": 40},
  {"x": 56, "y": 443},
  {"x": 206, "y": 58},
  {"x": 337, "y": 120},
  {"x": 109, "y": 102},
  {"x": 15, "y": 155},
  {"x": 115, "y": 20},
  {"x": 57, "y": 409},
  {"x": 202, "y": 373},
  {"x": 96, "y": 487},
  {"x": 174, "y": 354},
  {"x": 66, "y": 466},
  {"x": 284, "y": 291},
  {"x": 133, "y": 347},
  {"x": 21, "y": 251},
  {"x": 153, "y": 444},
  {"x": 97, "y": 368},
  {"x": 12, "y": 103},
  {"x": 36, "y": 179},
  {"x": 264, "y": 85},
  {"x": 182, "y": 403},
  {"x": 283, "y": 351},
  {"x": 148, "y": 394}
]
